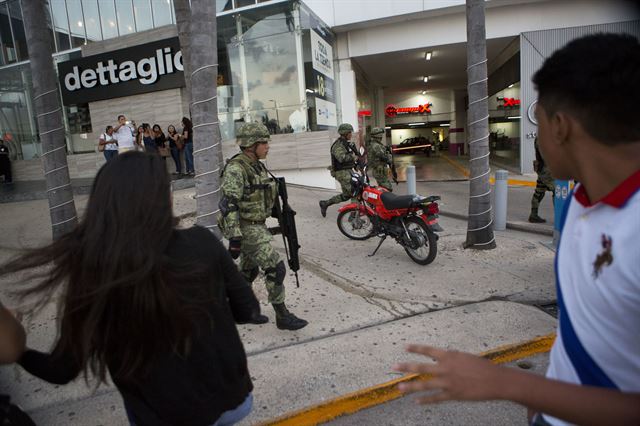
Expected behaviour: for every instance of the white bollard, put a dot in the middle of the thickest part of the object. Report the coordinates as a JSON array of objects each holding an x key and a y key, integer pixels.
[
  {"x": 500, "y": 207},
  {"x": 411, "y": 180}
]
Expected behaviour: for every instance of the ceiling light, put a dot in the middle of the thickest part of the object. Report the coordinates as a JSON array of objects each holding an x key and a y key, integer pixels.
[
  {"x": 417, "y": 124},
  {"x": 425, "y": 78},
  {"x": 387, "y": 127},
  {"x": 427, "y": 56},
  {"x": 515, "y": 117},
  {"x": 310, "y": 91},
  {"x": 80, "y": 24},
  {"x": 510, "y": 86},
  {"x": 445, "y": 125},
  {"x": 424, "y": 92}
]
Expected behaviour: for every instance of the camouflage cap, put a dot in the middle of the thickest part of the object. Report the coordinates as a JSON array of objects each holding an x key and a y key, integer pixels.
[
  {"x": 252, "y": 133},
  {"x": 377, "y": 131},
  {"x": 345, "y": 128}
]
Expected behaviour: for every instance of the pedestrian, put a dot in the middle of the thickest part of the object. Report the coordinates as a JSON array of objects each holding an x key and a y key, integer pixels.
[
  {"x": 379, "y": 159},
  {"x": 124, "y": 134},
  {"x": 153, "y": 305},
  {"x": 588, "y": 130},
  {"x": 149, "y": 139},
  {"x": 248, "y": 196},
  {"x": 187, "y": 141},
  {"x": 544, "y": 183},
  {"x": 5, "y": 162},
  {"x": 175, "y": 145},
  {"x": 12, "y": 346},
  {"x": 161, "y": 141},
  {"x": 139, "y": 139},
  {"x": 343, "y": 158},
  {"x": 109, "y": 143}
]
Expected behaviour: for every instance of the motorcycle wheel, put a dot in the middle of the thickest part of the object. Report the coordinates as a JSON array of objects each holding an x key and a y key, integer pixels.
[
  {"x": 355, "y": 224},
  {"x": 426, "y": 253}
]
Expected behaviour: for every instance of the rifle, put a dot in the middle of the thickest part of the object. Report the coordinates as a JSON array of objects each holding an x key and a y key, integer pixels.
[
  {"x": 394, "y": 172},
  {"x": 286, "y": 219}
]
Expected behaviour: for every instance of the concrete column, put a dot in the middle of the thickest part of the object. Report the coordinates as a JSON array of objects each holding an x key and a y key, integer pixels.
[
  {"x": 348, "y": 95},
  {"x": 379, "y": 108}
]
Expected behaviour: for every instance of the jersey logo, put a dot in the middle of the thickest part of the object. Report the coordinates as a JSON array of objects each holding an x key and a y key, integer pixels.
[{"x": 605, "y": 257}]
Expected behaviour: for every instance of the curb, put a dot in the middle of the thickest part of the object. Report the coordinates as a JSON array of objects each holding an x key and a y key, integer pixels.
[
  {"x": 369, "y": 397},
  {"x": 532, "y": 229}
]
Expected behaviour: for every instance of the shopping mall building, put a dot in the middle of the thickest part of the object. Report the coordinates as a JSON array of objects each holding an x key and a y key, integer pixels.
[{"x": 300, "y": 67}]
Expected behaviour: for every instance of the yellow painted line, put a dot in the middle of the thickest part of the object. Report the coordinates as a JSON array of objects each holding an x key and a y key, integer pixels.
[
  {"x": 388, "y": 391},
  {"x": 466, "y": 172}
]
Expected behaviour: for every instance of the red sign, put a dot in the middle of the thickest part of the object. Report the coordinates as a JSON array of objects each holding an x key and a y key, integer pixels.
[
  {"x": 365, "y": 113},
  {"x": 509, "y": 102},
  {"x": 392, "y": 110}
]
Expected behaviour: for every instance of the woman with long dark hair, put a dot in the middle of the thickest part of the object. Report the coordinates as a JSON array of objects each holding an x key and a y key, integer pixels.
[
  {"x": 187, "y": 140},
  {"x": 151, "y": 304},
  {"x": 175, "y": 145}
]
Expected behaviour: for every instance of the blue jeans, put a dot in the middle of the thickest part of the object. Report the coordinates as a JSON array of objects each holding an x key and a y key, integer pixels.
[
  {"x": 175, "y": 154},
  {"x": 188, "y": 156},
  {"x": 109, "y": 154},
  {"x": 231, "y": 417}
]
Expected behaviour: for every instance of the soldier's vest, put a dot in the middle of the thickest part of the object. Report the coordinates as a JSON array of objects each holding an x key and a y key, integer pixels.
[
  {"x": 259, "y": 192},
  {"x": 337, "y": 165},
  {"x": 374, "y": 153}
]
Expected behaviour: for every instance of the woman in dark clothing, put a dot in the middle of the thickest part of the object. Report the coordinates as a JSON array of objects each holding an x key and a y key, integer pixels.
[
  {"x": 187, "y": 139},
  {"x": 175, "y": 145},
  {"x": 161, "y": 141},
  {"x": 148, "y": 138},
  {"x": 153, "y": 305}
]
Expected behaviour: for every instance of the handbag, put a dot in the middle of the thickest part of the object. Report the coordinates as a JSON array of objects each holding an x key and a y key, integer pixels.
[
  {"x": 100, "y": 146},
  {"x": 164, "y": 151}
]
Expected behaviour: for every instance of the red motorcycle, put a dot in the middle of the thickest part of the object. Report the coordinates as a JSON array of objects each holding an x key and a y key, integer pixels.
[{"x": 412, "y": 220}]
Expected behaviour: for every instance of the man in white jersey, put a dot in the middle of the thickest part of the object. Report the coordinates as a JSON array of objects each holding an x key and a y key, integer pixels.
[
  {"x": 123, "y": 133},
  {"x": 588, "y": 130}
]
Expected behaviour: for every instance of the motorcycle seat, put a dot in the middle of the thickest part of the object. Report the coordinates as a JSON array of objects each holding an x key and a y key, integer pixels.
[{"x": 391, "y": 201}]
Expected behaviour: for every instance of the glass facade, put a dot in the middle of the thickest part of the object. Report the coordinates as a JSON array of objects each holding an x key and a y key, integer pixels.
[{"x": 504, "y": 127}]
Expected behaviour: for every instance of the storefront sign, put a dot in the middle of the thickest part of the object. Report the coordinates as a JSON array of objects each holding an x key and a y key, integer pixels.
[
  {"x": 321, "y": 55},
  {"x": 392, "y": 110},
  {"x": 509, "y": 102},
  {"x": 326, "y": 113},
  {"x": 140, "y": 69}
]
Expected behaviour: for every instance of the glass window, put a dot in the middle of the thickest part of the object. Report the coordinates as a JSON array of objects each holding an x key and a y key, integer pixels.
[
  {"x": 78, "y": 118},
  {"x": 60, "y": 25},
  {"x": 126, "y": 24},
  {"x": 6, "y": 40},
  {"x": 142, "y": 10},
  {"x": 242, "y": 3},
  {"x": 222, "y": 5},
  {"x": 76, "y": 22},
  {"x": 162, "y": 12},
  {"x": 19, "y": 38},
  {"x": 108, "y": 19},
  {"x": 92, "y": 20}
]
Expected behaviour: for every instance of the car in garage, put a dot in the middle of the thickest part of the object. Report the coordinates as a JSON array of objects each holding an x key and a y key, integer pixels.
[{"x": 415, "y": 145}]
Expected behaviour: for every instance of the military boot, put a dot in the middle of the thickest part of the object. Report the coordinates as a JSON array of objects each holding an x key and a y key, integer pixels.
[
  {"x": 256, "y": 318},
  {"x": 285, "y": 320},
  {"x": 323, "y": 208},
  {"x": 534, "y": 218}
]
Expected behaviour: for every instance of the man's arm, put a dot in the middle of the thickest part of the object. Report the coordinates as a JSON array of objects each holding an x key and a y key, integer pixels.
[
  {"x": 233, "y": 190},
  {"x": 12, "y": 337},
  {"x": 465, "y": 377}
]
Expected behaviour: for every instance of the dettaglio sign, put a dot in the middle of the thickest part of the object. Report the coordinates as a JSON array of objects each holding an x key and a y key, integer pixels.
[{"x": 140, "y": 69}]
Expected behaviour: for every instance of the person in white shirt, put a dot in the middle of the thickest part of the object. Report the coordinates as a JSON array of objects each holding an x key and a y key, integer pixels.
[
  {"x": 588, "y": 130},
  {"x": 109, "y": 142},
  {"x": 123, "y": 133}
]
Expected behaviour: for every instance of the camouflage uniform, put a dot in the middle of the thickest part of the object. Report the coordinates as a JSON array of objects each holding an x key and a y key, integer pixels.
[
  {"x": 379, "y": 159},
  {"x": 248, "y": 198},
  {"x": 544, "y": 183},
  {"x": 343, "y": 158}
]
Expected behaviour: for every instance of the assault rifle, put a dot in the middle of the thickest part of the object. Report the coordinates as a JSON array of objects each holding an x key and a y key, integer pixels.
[
  {"x": 286, "y": 219},
  {"x": 394, "y": 172}
]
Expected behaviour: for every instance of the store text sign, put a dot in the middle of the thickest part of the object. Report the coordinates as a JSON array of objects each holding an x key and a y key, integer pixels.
[
  {"x": 509, "y": 102},
  {"x": 141, "y": 69},
  {"x": 392, "y": 110},
  {"x": 321, "y": 55}
]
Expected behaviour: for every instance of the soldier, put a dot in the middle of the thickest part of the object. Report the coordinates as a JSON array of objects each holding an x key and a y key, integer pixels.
[
  {"x": 379, "y": 158},
  {"x": 248, "y": 198},
  {"x": 343, "y": 158},
  {"x": 544, "y": 183}
]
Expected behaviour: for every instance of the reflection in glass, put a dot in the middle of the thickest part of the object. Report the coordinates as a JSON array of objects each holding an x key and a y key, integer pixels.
[
  {"x": 242, "y": 3},
  {"x": 222, "y": 5},
  {"x": 6, "y": 40},
  {"x": 76, "y": 23},
  {"x": 142, "y": 10},
  {"x": 92, "y": 20},
  {"x": 126, "y": 24},
  {"x": 60, "y": 25},
  {"x": 19, "y": 38},
  {"x": 108, "y": 19},
  {"x": 162, "y": 12}
]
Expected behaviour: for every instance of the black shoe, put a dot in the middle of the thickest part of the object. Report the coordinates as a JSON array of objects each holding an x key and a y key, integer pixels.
[
  {"x": 323, "y": 208},
  {"x": 285, "y": 320},
  {"x": 256, "y": 319},
  {"x": 534, "y": 218}
]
